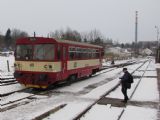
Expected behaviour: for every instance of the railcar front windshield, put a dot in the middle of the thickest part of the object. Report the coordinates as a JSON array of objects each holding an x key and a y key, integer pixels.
[
  {"x": 24, "y": 52},
  {"x": 35, "y": 52},
  {"x": 44, "y": 52}
]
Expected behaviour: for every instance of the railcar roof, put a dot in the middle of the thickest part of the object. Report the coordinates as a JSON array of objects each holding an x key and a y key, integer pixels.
[
  {"x": 27, "y": 39},
  {"x": 77, "y": 43}
]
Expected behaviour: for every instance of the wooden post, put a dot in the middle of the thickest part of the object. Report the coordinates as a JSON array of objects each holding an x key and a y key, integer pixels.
[{"x": 8, "y": 66}]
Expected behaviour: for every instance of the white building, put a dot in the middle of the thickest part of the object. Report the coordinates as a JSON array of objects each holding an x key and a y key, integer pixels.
[
  {"x": 118, "y": 52},
  {"x": 147, "y": 52}
]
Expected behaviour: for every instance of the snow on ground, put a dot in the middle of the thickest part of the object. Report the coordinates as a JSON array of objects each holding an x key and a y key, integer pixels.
[
  {"x": 13, "y": 97},
  {"x": 147, "y": 91},
  {"x": 139, "y": 113},
  {"x": 78, "y": 106},
  {"x": 70, "y": 111},
  {"x": 149, "y": 85},
  {"x": 10, "y": 88},
  {"x": 118, "y": 93},
  {"x": 4, "y": 65},
  {"x": 75, "y": 103},
  {"x": 108, "y": 63},
  {"x": 157, "y": 65},
  {"x": 152, "y": 66},
  {"x": 34, "y": 109},
  {"x": 134, "y": 66},
  {"x": 151, "y": 73},
  {"x": 138, "y": 73},
  {"x": 4, "y": 73},
  {"x": 94, "y": 94},
  {"x": 103, "y": 112},
  {"x": 79, "y": 86},
  {"x": 143, "y": 68},
  {"x": 100, "y": 91}
]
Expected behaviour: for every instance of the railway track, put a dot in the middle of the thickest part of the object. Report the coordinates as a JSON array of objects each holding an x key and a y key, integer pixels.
[
  {"x": 122, "y": 112},
  {"x": 88, "y": 108},
  {"x": 7, "y": 79},
  {"x": 11, "y": 80},
  {"x": 99, "y": 101},
  {"x": 30, "y": 94}
]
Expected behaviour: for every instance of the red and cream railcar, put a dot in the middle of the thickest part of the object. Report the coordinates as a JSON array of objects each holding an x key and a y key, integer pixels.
[{"x": 40, "y": 62}]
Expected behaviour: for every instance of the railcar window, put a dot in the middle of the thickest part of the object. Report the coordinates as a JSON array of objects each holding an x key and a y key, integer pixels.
[
  {"x": 64, "y": 53},
  {"x": 71, "y": 53},
  {"x": 78, "y": 53},
  {"x": 44, "y": 52},
  {"x": 90, "y": 53},
  {"x": 24, "y": 52},
  {"x": 97, "y": 53},
  {"x": 102, "y": 53},
  {"x": 83, "y": 53},
  {"x": 59, "y": 53},
  {"x": 93, "y": 53}
]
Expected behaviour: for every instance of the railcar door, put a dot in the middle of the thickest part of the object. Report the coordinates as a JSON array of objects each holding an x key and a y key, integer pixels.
[{"x": 64, "y": 62}]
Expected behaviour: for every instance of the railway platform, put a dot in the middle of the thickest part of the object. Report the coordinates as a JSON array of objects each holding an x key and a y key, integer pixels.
[{"x": 143, "y": 101}]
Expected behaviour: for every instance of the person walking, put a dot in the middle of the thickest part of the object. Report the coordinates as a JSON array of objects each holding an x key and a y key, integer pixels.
[{"x": 126, "y": 81}]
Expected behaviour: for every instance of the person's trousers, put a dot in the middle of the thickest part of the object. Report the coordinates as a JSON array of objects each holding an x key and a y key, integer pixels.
[{"x": 124, "y": 91}]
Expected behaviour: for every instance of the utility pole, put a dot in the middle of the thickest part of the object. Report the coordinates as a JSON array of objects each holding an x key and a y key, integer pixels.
[
  {"x": 157, "y": 28},
  {"x": 136, "y": 34},
  {"x": 158, "y": 46}
]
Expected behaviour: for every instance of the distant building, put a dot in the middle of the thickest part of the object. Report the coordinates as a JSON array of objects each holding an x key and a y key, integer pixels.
[
  {"x": 146, "y": 52},
  {"x": 151, "y": 45},
  {"x": 117, "y": 53},
  {"x": 108, "y": 43}
]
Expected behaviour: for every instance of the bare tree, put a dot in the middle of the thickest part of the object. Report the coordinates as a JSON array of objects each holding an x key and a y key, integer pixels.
[
  {"x": 16, "y": 33},
  {"x": 84, "y": 37},
  {"x": 57, "y": 34},
  {"x": 94, "y": 36},
  {"x": 69, "y": 34}
]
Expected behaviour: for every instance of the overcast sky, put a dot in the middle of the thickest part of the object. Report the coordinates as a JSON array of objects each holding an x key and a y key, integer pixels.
[{"x": 114, "y": 18}]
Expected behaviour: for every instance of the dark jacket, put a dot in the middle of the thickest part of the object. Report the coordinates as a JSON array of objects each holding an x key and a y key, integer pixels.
[
  {"x": 126, "y": 77},
  {"x": 126, "y": 80}
]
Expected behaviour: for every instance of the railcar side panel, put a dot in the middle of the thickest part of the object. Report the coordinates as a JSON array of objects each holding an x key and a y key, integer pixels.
[{"x": 34, "y": 66}]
